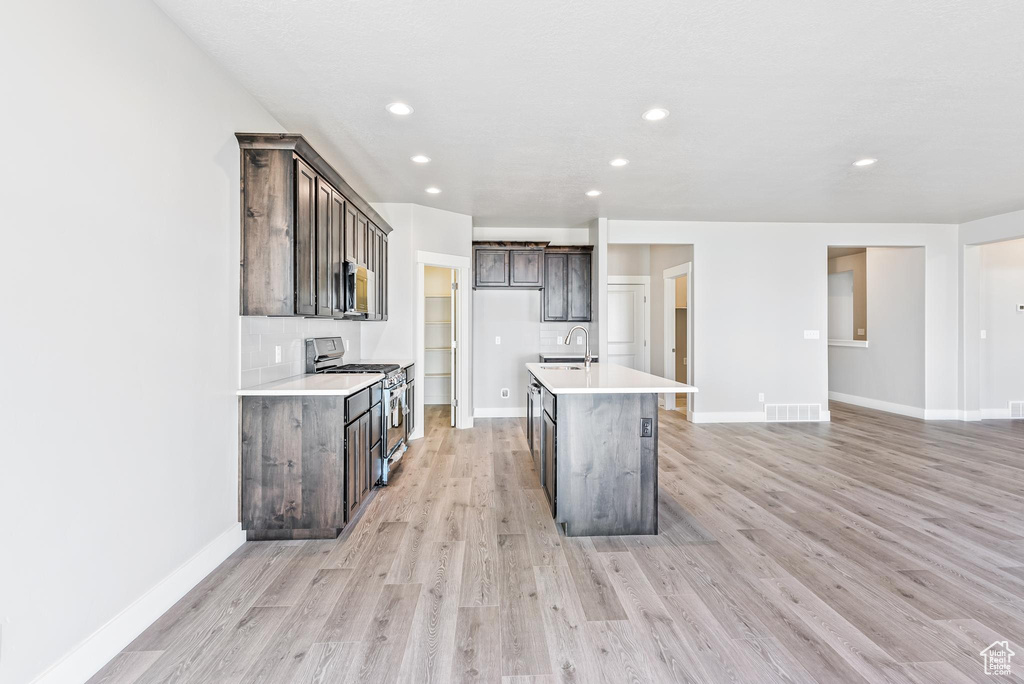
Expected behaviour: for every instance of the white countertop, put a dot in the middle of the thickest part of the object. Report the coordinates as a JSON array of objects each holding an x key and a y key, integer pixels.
[
  {"x": 603, "y": 378},
  {"x": 324, "y": 384}
]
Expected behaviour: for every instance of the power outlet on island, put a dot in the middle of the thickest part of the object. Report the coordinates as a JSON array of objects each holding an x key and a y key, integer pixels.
[{"x": 646, "y": 427}]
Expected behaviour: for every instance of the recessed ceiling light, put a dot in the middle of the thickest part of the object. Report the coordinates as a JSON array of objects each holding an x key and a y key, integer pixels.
[
  {"x": 434, "y": 191},
  {"x": 399, "y": 108},
  {"x": 421, "y": 159},
  {"x": 619, "y": 161},
  {"x": 593, "y": 193},
  {"x": 656, "y": 114},
  {"x": 864, "y": 162}
]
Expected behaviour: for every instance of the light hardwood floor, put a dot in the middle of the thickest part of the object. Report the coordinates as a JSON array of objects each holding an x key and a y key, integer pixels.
[{"x": 876, "y": 548}]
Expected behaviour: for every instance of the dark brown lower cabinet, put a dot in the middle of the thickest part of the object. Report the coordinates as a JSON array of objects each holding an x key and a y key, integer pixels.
[
  {"x": 292, "y": 467},
  {"x": 357, "y": 440},
  {"x": 549, "y": 458},
  {"x": 307, "y": 463}
]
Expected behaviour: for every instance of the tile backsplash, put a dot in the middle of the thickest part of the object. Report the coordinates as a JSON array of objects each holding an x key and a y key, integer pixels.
[
  {"x": 553, "y": 334},
  {"x": 260, "y": 336}
]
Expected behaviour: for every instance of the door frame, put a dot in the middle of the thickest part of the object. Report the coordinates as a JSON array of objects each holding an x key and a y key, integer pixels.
[
  {"x": 462, "y": 265},
  {"x": 646, "y": 282},
  {"x": 670, "y": 276}
]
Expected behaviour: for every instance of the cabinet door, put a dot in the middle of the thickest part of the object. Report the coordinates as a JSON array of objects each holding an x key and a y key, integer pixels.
[
  {"x": 490, "y": 268},
  {"x": 384, "y": 278},
  {"x": 550, "y": 460},
  {"x": 324, "y": 207},
  {"x": 337, "y": 284},
  {"x": 556, "y": 282},
  {"x": 364, "y": 456},
  {"x": 351, "y": 226},
  {"x": 305, "y": 239},
  {"x": 579, "y": 287},
  {"x": 526, "y": 268},
  {"x": 354, "y": 446},
  {"x": 362, "y": 227}
]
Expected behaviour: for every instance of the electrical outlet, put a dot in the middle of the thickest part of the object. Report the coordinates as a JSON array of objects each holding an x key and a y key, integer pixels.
[
  {"x": 811, "y": 334},
  {"x": 760, "y": 397},
  {"x": 984, "y": 334},
  {"x": 579, "y": 339},
  {"x": 1020, "y": 308},
  {"x": 497, "y": 340},
  {"x": 504, "y": 393},
  {"x": 277, "y": 353},
  {"x": 646, "y": 427}
]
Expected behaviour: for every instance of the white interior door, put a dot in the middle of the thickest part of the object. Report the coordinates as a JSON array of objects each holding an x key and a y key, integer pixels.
[
  {"x": 454, "y": 343},
  {"x": 627, "y": 326}
]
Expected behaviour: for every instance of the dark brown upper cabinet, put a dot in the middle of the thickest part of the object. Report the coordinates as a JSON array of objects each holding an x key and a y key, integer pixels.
[
  {"x": 510, "y": 265},
  {"x": 300, "y": 222},
  {"x": 567, "y": 284}
]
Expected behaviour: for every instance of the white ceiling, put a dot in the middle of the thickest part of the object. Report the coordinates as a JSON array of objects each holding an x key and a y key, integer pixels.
[{"x": 522, "y": 104}]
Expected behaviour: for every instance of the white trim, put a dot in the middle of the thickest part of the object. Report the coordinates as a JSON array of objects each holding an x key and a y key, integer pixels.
[
  {"x": 879, "y": 405},
  {"x": 97, "y": 649},
  {"x": 863, "y": 344},
  {"x": 970, "y": 416},
  {"x": 646, "y": 282},
  {"x": 943, "y": 414},
  {"x": 512, "y": 412},
  {"x": 728, "y": 416},
  {"x": 670, "y": 275},
  {"x": 995, "y": 414},
  {"x": 462, "y": 265}
]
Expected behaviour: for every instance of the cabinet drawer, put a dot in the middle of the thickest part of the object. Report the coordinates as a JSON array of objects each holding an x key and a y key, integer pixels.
[
  {"x": 548, "y": 400},
  {"x": 376, "y": 393},
  {"x": 357, "y": 404}
]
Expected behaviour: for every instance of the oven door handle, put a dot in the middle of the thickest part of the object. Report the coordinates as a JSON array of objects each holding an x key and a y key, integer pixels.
[{"x": 402, "y": 392}]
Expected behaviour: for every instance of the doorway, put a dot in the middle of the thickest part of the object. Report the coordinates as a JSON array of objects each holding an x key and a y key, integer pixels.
[
  {"x": 678, "y": 316},
  {"x": 443, "y": 344},
  {"x": 629, "y": 322},
  {"x": 440, "y": 339}
]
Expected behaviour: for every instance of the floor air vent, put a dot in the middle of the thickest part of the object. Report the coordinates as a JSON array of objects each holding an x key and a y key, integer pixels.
[
  {"x": 1017, "y": 409},
  {"x": 792, "y": 413}
]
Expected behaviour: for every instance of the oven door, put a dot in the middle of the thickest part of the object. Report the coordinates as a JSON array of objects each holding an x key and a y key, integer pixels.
[{"x": 396, "y": 418}]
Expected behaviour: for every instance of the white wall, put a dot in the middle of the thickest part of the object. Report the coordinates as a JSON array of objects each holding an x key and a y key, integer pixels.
[
  {"x": 627, "y": 260},
  {"x": 120, "y": 257},
  {"x": 758, "y": 286},
  {"x": 415, "y": 228},
  {"x": 1002, "y": 351},
  {"x": 556, "y": 236},
  {"x": 972, "y": 236},
  {"x": 892, "y": 368}
]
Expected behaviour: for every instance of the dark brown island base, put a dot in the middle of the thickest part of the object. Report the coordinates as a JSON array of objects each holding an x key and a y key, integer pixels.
[{"x": 593, "y": 434}]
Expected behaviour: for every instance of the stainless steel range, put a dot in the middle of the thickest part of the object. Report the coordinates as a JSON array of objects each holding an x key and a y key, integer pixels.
[{"x": 326, "y": 355}]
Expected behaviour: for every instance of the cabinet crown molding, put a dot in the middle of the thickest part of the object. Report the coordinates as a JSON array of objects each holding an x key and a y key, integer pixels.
[{"x": 298, "y": 144}]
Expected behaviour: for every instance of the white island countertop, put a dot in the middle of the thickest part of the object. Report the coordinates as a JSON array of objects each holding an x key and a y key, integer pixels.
[
  {"x": 602, "y": 378},
  {"x": 324, "y": 384}
]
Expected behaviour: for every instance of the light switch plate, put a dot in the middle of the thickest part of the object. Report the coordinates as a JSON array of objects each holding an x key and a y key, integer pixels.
[
  {"x": 497, "y": 339},
  {"x": 277, "y": 353},
  {"x": 812, "y": 334},
  {"x": 984, "y": 334},
  {"x": 760, "y": 397},
  {"x": 579, "y": 339},
  {"x": 504, "y": 393}
]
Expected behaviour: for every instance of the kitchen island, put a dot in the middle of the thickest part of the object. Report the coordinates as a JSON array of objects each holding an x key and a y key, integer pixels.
[{"x": 594, "y": 438}]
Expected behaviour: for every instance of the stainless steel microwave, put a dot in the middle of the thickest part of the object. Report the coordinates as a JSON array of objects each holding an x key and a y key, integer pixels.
[{"x": 360, "y": 290}]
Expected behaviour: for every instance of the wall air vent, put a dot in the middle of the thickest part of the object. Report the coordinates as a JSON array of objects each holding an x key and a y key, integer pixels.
[
  {"x": 792, "y": 413},
  {"x": 1017, "y": 409}
]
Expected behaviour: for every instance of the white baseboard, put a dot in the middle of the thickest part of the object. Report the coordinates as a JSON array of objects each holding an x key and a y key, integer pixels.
[
  {"x": 96, "y": 650},
  {"x": 879, "y": 405},
  {"x": 943, "y": 414},
  {"x": 727, "y": 416},
  {"x": 970, "y": 416},
  {"x": 995, "y": 414},
  {"x": 511, "y": 412}
]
